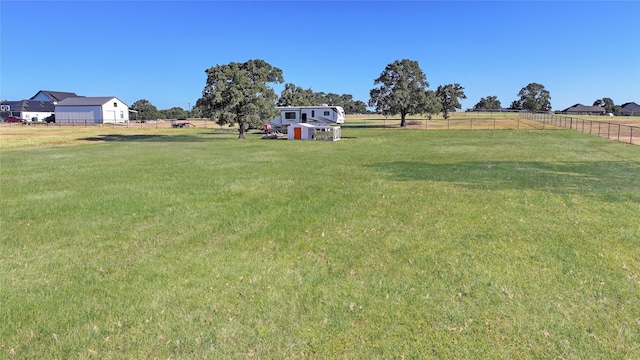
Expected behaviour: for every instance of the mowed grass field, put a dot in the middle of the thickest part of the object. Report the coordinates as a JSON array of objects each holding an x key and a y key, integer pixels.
[{"x": 187, "y": 243}]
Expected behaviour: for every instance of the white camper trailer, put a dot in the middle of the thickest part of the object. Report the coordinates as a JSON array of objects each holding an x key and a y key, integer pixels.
[{"x": 322, "y": 115}]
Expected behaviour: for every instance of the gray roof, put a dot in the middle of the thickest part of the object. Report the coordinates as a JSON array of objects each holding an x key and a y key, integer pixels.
[
  {"x": 86, "y": 101},
  {"x": 55, "y": 95},
  {"x": 631, "y": 106},
  {"x": 583, "y": 108},
  {"x": 30, "y": 105}
]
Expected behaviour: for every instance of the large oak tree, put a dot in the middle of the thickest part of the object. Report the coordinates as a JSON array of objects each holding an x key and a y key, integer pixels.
[
  {"x": 145, "y": 110},
  {"x": 448, "y": 96},
  {"x": 402, "y": 90},
  {"x": 534, "y": 97},
  {"x": 238, "y": 93},
  {"x": 488, "y": 103}
]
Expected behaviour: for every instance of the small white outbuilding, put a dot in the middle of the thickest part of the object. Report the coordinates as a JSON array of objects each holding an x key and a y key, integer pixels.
[
  {"x": 301, "y": 131},
  {"x": 92, "y": 110},
  {"x": 304, "y": 131}
]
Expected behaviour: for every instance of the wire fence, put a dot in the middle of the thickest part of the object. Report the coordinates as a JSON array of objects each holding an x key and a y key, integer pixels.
[
  {"x": 610, "y": 130},
  {"x": 617, "y": 131},
  {"x": 458, "y": 123}
]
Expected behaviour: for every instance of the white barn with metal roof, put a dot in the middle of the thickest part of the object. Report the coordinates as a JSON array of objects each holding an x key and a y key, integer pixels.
[{"x": 92, "y": 110}]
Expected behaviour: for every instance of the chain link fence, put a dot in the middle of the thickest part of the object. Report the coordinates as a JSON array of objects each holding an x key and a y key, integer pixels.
[{"x": 611, "y": 130}]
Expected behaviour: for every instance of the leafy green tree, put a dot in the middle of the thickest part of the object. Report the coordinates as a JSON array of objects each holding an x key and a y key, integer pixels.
[
  {"x": 355, "y": 107},
  {"x": 607, "y": 104},
  {"x": 402, "y": 90},
  {"x": 515, "y": 105},
  {"x": 146, "y": 110},
  {"x": 332, "y": 99},
  {"x": 534, "y": 97},
  {"x": 293, "y": 95},
  {"x": 488, "y": 103},
  {"x": 174, "y": 113},
  {"x": 431, "y": 104},
  {"x": 448, "y": 96},
  {"x": 238, "y": 93}
]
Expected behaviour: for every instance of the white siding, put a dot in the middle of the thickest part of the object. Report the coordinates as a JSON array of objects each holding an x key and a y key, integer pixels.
[
  {"x": 115, "y": 111},
  {"x": 29, "y": 115},
  {"x": 109, "y": 112}
]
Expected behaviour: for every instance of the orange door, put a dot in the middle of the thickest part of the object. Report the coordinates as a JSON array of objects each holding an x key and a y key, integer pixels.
[{"x": 297, "y": 133}]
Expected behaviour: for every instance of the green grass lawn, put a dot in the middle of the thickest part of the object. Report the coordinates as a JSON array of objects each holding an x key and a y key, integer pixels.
[{"x": 387, "y": 244}]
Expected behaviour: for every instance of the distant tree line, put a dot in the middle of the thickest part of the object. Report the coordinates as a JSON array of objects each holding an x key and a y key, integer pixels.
[
  {"x": 239, "y": 94},
  {"x": 534, "y": 97},
  {"x": 293, "y": 95},
  {"x": 145, "y": 110}
]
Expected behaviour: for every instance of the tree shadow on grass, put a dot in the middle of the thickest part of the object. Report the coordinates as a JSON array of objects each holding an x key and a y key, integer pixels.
[
  {"x": 610, "y": 180},
  {"x": 155, "y": 137}
]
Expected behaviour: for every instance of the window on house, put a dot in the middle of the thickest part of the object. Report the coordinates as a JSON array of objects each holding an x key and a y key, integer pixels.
[
  {"x": 289, "y": 115},
  {"x": 326, "y": 113},
  {"x": 115, "y": 104},
  {"x": 121, "y": 114},
  {"x": 313, "y": 113}
]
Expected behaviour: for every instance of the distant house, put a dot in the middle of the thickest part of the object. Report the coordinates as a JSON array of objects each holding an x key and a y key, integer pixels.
[
  {"x": 579, "y": 109},
  {"x": 630, "y": 109},
  {"x": 33, "y": 110},
  {"x": 52, "y": 96},
  {"x": 92, "y": 110}
]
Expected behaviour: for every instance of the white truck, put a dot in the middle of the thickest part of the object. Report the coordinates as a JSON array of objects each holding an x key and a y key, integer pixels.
[{"x": 322, "y": 115}]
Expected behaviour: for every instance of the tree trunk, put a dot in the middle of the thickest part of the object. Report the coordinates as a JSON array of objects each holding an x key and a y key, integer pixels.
[
  {"x": 403, "y": 122},
  {"x": 240, "y": 126}
]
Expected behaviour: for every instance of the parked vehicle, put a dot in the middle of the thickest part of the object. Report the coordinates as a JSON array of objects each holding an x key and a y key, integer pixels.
[
  {"x": 14, "y": 119},
  {"x": 322, "y": 115},
  {"x": 50, "y": 119}
]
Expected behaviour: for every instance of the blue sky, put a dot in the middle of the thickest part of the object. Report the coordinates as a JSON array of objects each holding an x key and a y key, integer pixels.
[{"x": 158, "y": 50}]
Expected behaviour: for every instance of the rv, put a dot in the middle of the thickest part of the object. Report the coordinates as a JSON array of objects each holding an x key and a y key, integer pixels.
[{"x": 322, "y": 115}]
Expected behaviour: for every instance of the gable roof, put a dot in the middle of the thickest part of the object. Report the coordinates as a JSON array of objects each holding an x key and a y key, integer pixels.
[
  {"x": 54, "y": 95},
  {"x": 631, "y": 105},
  {"x": 30, "y": 105},
  {"x": 583, "y": 108},
  {"x": 630, "y": 108},
  {"x": 87, "y": 101}
]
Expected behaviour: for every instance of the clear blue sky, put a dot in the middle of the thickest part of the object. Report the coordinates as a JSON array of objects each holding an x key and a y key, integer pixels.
[{"x": 158, "y": 50}]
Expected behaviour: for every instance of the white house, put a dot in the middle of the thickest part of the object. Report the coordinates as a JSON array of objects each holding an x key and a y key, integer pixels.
[
  {"x": 32, "y": 110},
  {"x": 92, "y": 110}
]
